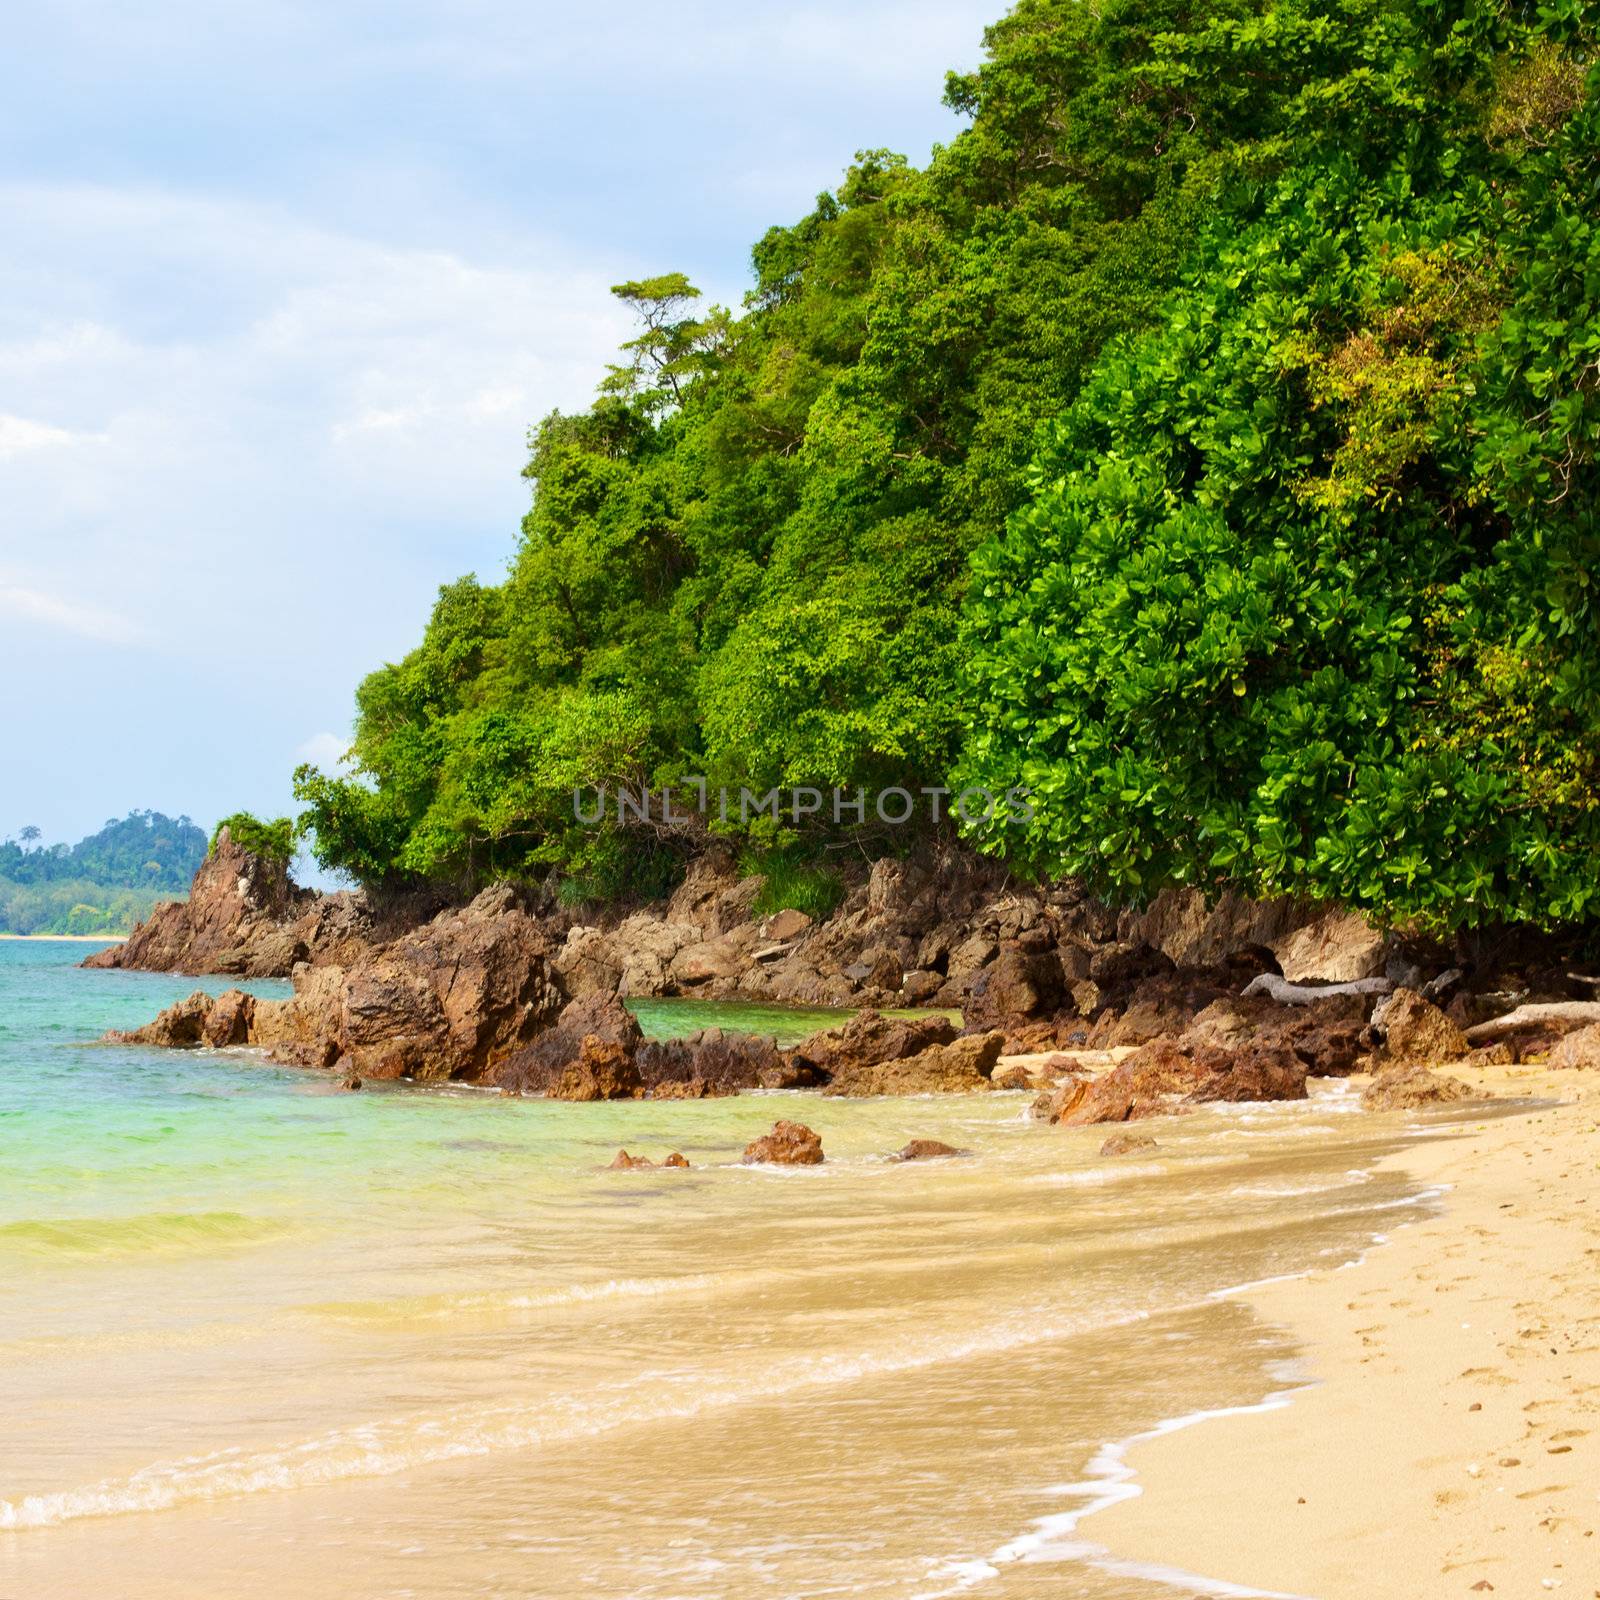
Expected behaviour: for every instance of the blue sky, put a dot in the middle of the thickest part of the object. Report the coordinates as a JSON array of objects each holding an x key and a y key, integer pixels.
[{"x": 283, "y": 288}]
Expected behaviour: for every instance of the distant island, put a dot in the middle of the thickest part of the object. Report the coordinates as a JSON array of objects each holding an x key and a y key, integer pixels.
[{"x": 103, "y": 884}]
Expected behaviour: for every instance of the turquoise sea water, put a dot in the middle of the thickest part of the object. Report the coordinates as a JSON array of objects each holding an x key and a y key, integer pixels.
[{"x": 259, "y": 1336}]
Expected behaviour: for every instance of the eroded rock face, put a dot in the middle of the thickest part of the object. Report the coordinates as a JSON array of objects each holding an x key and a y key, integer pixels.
[
  {"x": 454, "y": 998},
  {"x": 714, "y": 1062},
  {"x": 963, "y": 1066},
  {"x": 536, "y": 1067},
  {"x": 790, "y": 1144},
  {"x": 1410, "y": 1087},
  {"x": 230, "y": 1019},
  {"x": 1329, "y": 1036}
]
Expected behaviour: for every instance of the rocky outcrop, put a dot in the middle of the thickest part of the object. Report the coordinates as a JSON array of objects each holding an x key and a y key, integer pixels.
[
  {"x": 963, "y": 1066},
  {"x": 236, "y": 920},
  {"x": 1307, "y": 942},
  {"x": 790, "y": 1144},
  {"x": 1330, "y": 1036},
  {"x": 1411, "y": 1087},
  {"x": 448, "y": 1001},
  {"x": 868, "y": 1040},
  {"x": 603, "y": 1071},
  {"x": 245, "y": 918}
]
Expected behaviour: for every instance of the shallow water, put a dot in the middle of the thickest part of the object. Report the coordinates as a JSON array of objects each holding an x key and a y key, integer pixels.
[{"x": 258, "y": 1338}]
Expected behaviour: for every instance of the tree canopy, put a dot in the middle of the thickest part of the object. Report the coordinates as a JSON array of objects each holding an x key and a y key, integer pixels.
[{"x": 1204, "y": 437}]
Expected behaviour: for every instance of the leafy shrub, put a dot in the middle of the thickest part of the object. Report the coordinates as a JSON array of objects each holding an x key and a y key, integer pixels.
[{"x": 272, "y": 841}]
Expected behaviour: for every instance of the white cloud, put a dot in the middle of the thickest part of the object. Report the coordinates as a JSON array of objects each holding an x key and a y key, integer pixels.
[
  {"x": 20, "y": 436},
  {"x": 325, "y": 750},
  {"x": 50, "y": 611}
]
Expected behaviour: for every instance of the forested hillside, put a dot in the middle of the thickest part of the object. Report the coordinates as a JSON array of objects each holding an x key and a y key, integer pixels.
[
  {"x": 1205, "y": 438},
  {"x": 102, "y": 884}
]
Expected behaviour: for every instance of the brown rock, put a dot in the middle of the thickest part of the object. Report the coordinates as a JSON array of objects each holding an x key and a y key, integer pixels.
[
  {"x": 536, "y": 1067},
  {"x": 788, "y": 924},
  {"x": 1155, "y": 1075},
  {"x": 454, "y": 998},
  {"x": 180, "y": 1027},
  {"x": 234, "y": 921},
  {"x": 722, "y": 1062},
  {"x": 603, "y": 1071},
  {"x": 790, "y": 1144},
  {"x": 1127, "y": 1144},
  {"x": 918, "y": 988},
  {"x": 1409, "y": 1087},
  {"x": 1021, "y": 983},
  {"x": 1329, "y": 1036},
  {"x": 868, "y": 1039},
  {"x": 1577, "y": 1050},
  {"x": 230, "y": 1019},
  {"x": 962, "y": 1066},
  {"x": 927, "y": 1150},
  {"x": 675, "y": 1160},
  {"x": 1416, "y": 1030},
  {"x": 623, "y": 1162}
]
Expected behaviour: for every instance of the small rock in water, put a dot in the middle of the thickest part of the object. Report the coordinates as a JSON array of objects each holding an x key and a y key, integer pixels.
[
  {"x": 790, "y": 1144},
  {"x": 675, "y": 1160},
  {"x": 626, "y": 1163},
  {"x": 928, "y": 1150},
  {"x": 1125, "y": 1144}
]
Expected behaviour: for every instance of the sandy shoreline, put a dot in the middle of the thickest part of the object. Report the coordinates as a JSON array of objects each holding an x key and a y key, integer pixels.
[{"x": 1450, "y": 1441}]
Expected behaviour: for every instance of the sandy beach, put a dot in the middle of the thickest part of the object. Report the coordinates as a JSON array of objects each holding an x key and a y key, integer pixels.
[{"x": 1449, "y": 1441}]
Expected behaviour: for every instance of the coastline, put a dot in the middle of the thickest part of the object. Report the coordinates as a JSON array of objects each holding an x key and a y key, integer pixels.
[
  {"x": 1443, "y": 1433},
  {"x": 68, "y": 938}
]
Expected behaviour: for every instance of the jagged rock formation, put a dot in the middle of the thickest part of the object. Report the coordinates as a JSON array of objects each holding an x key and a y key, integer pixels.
[{"x": 246, "y": 919}]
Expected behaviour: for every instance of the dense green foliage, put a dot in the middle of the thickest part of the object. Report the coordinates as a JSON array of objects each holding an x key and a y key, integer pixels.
[
  {"x": 1304, "y": 595},
  {"x": 747, "y": 559},
  {"x": 1205, "y": 438},
  {"x": 274, "y": 841},
  {"x": 102, "y": 884}
]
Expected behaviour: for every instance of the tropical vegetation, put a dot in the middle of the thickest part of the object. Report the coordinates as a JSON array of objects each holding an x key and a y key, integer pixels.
[{"x": 1205, "y": 438}]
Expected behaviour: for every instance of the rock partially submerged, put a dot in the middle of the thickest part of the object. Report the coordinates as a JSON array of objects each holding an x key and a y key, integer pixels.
[
  {"x": 927, "y": 1150},
  {"x": 1168, "y": 1073},
  {"x": 1411, "y": 1087},
  {"x": 790, "y": 1144},
  {"x": 623, "y": 1162},
  {"x": 1128, "y": 1144}
]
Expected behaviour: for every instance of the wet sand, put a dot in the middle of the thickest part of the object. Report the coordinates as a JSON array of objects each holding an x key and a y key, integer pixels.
[{"x": 1449, "y": 1443}]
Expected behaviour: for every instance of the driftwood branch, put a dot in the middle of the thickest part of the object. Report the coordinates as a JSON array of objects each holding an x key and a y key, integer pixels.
[
  {"x": 1572, "y": 1013},
  {"x": 1305, "y": 994}
]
